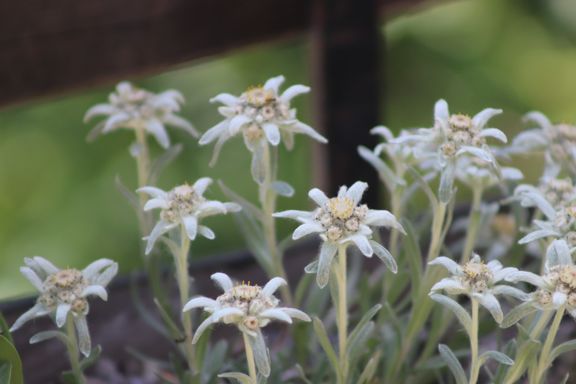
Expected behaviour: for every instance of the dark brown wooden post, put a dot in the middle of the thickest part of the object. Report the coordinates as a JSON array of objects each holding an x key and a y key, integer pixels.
[{"x": 346, "y": 74}]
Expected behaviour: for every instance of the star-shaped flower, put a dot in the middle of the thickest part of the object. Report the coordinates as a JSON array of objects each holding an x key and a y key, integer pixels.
[
  {"x": 341, "y": 221},
  {"x": 184, "y": 205},
  {"x": 479, "y": 281},
  {"x": 64, "y": 292},
  {"x": 134, "y": 108},
  {"x": 250, "y": 308},
  {"x": 262, "y": 114}
]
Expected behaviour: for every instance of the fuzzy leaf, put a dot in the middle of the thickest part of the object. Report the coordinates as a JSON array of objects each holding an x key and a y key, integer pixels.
[
  {"x": 11, "y": 362},
  {"x": 128, "y": 194},
  {"x": 325, "y": 343},
  {"x": 92, "y": 358},
  {"x": 370, "y": 369},
  {"x": 456, "y": 308},
  {"x": 365, "y": 319},
  {"x": 526, "y": 353},
  {"x": 567, "y": 346},
  {"x": 453, "y": 364},
  {"x": 283, "y": 188},
  {"x": 517, "y": 313},
  {"x": 46, "y": 335},
  {"x": 495, "y": 355},
  {"x": 240, "y": 377}
]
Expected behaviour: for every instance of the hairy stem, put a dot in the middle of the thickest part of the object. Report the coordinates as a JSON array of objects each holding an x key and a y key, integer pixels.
[
  {"x": 342, "y": 315},
  {"x": 473, "y": 225},
  {"x": 181, "y": 261},
  {"x": 544, "y": 362},
  {"x": 250, "y": 359},
  {"x": 268, "y": 203},
  {"x": 73, "y": 352},
  {"x": 474, "y": 361}
]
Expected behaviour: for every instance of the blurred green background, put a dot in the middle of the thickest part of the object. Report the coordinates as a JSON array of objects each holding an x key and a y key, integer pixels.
[{"x": 57, "y": 193}]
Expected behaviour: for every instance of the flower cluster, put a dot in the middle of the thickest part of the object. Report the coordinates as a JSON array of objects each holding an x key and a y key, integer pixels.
[
  {"x": 135, "y": 108},
  {"x": 262, "y": 115},
  {"x": 64, "y": 292},
  {"x": 184, "y": 205},
  {"x": 250, "y": 308},
  {"x": 478, "y": 280},
  {"x": 341, "y": 221}
]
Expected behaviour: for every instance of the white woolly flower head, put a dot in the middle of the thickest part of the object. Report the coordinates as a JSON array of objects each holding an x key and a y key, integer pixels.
[
  {"x": 560, "y": 223},
  {"x": 64, "y": 293},
  {"x": 184, "y": 205},
  {"x": 557, "y": 141},
  {"x": 341, "y": 221},
  {"x": 135, "y": 108},
  {"x": 478, "y": 280},
  {"x": 262, "y": 115},
  {"x": 550, "y": 195},
  {"x": 557, "y": 286},
  {"x": 250, "y": 308}
]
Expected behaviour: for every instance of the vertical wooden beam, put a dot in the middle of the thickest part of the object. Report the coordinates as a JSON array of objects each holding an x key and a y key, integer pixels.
[{"x": 346, "y": 78}]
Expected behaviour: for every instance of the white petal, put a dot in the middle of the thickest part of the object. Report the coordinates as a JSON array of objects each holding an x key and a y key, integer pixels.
[
  {"x": 528, "y": 277},
  {"x": 300, "y": 127},
  {"x": 449, "y": 285},
  {"x": 115, "y": 121},
  {"x": 302, "y": 216},
  {"x": 384, "y": 218},
  {"x": 153, "y": 192},
  {"x": 225, "y": 98},
  {"x": 478, "y": 152},
  {"x": 211, "y": 207},
  {"x": 274, "y": 83},
  {"x": 327, "y": 252},
  {"x": 206, "y": 232},
  {"x": 37, "y": 310},
  {"x": 237, "y": 123},
  {"x": 495, "y": 133},
  {"x": 356, "y": 191},
  {"x": 441, "y": 113},
  {"x": 183, "y": 124},
  {"x": 106, "y": 275},
  {"x": 559, "y": 299},
  {"x": 159, "y": 229},
  {"x": 272, "y": 133},
  {"x": 384, "y": 255},
  {"x": 96, "y": 290},
  {"x": 191, "y": 225},
  {"x": 538, "y": 118},
  {"x": 510, "y": 173},
  {"x": 318, "y": 196},
  {"x": 201, "y": 185},
  {"x": 213, "y": 318},
  {"x": 489, "y": 301},
  {"x": 273, "y": 285},
  {"x": 275, "y": 313},
  {"x": 558, "y": 253},
  {"x": 62, "y": 314},
  {"x": 503, "y": 274},
  {"x": 306, "y": 229},
  {"x": 156, "y": 128},
  {"x": 481, "y": 118},
  {"x": 223, "y": 280},
  {"x": 32, "y": 277},
  {"x": 293, "y": 91},
  {"x": 296, "y": 314},
  {"x": 46, "y": 265},
  {"x": 510, "y": 291},
  {"x": 362, "y": 243},
  {"x": 539, "y": 234},
  {"x": 155, "y": 203},
  {"x": 383, "y": 131},
  {"x": 213, "y": 133},
  {"x": 447, "y": 263},
  {"x": 200, "y": 302},
  {"x": 100, "y": 109},
  {"x": 84, "y": 342}
]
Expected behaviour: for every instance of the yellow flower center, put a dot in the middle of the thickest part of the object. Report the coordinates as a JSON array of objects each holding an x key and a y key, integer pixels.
[
  {"x": 460, "y": 122},
  {"x": 245, "y": 292},
  {"x": 258, "y": 96},
  {"x": 341, "y": 207}
]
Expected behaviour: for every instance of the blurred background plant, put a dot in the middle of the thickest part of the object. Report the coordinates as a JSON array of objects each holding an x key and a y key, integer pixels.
[{"x": 516, "y": 55}]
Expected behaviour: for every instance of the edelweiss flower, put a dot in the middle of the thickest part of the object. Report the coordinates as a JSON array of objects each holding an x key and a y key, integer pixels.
[
  {"x": 135, "y": 108},
  {"x": 557, "y": 141},
  {"x": 561, "y": 223},
  {"x": 451, "y": 137},
  {"x": 478, "y": 281},
  {"x": 341, "y": 221},
  {"x": 557, "y": 287},
  {"x": 262, "y": 115},
  {"x": 183, "y": 205},
  {"x": 64, "y": 292},
  {"x": 549, "y": 196},
  {"x": 477, "y": 173},
  {"x": 250, "y": 308}
]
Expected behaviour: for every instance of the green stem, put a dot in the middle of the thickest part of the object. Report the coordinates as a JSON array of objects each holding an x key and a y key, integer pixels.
[
  {"x": 183, "y": 280},
  {"x": 473, "y": 224},
  {"x": 268, "y": 203},
  {"x": 544, "y": 362},
  {"x": 73, "y": 352},
  {"x": 342, "y": 315},
  {"x": 423, "y": 305},
  {"x": 475, "y": 363},
  {"x": 250, "y": 359}
]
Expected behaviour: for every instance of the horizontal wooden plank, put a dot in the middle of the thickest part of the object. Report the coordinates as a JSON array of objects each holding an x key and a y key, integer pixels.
[{"x": 49, "y": 47}]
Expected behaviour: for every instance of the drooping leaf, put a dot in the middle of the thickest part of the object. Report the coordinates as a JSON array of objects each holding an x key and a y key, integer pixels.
[
  {"x": 453, "y": 364},
  {"x": 517, "y": 313},
  {"x": 495, "y": 355},
  {"x": 461, "y": 314},
  {"x": 92, "y": 358},
  {"x": 283, "y": 188},
  {"x": 128, "y": 194},
  {"x": 370, "y": 369},
  {"x": 325, "y": 343},
  {"x": 46, "y": 335},
  {"x": 566, "y": 346}
]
